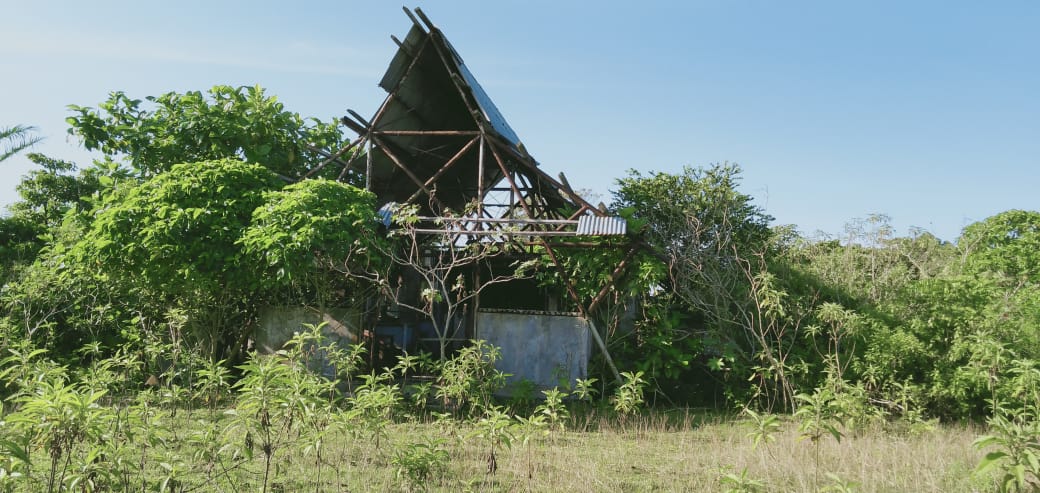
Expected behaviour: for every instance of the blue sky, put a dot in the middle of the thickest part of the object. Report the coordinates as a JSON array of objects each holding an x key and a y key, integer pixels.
[{"x": 926, "y": 111}]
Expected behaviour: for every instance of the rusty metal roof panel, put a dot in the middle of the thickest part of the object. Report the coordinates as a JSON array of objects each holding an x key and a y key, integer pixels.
[
  {"x": 601, "y": 226},
  {"x": 487, "y": 106},
  {"x": 413, "y": 46}
]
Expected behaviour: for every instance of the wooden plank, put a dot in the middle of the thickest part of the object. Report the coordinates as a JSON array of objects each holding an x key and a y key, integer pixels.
[
  {"x": 486, "y": 232},
  {"x": 408, "y": 172},
  {"x": 581, "y": 308},
  {"x": 359, "y": 118},
  {"x": 480, "y": 176},
  {"x": 577, "y": 200},
  {"x": 614, "y": 276},
  {"x": 509, "y": 178},
  {"x": 425, "y": 19},
  {"x": 412, "y": 17},
  {"x": 359, "y": 129},
  {"x": 427, "y": 132},
  {"x": 334, "y": 157},
  {"x": 451, "y": 162},
  {"x": 464, "y": 219}
]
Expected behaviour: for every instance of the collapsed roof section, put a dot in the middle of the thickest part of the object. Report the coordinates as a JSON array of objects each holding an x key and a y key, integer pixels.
[{"x": 439, "y": 142}]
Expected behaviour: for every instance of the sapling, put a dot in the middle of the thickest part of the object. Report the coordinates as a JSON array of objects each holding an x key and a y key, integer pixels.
[
  {"x": 496, "y": 428},
  {"x": 262, "y": 414},
  {"x": 818, "y": 419},
  {"x": 469, "y": 380},
  {"x": 59, "y": 417},
  {"x": 421, "y": 463},
  {"x": 740, "y": 483},
  {"x": 212, "y": 383},
  {"x": 373, "y": 404},
  {"x": 552, "y": 408},
  {"x": 417, "y": 393},
  {"x": 764, "y": 428},
  {"x": 628, "y": 397},
  {"x": 1016, "y": 440},
  {"x": 526, "y": 429},
  {"x": 584, "y": 389}
]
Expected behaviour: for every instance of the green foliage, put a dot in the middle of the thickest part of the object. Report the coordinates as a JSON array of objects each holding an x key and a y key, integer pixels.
[
  {"x": 741, "y": 483},
  {"x": 556, "y": 414},
  {"x": 1017, "y": 456},
  {"x": 839, "y": 485},
  {"x": 421, "y": 463},
  {"x": 1007, "y": 244},
  {"x": 584, "y": 389},
  {"x": 57, "y": 417},
  {"x": 628, "y": 398},
  {"x": 664, "y": 343},
  {"x": 178, "y": 231},
  {"x": 469, "y": 380},
  {"x": 276, "y": 399},
  {"x": 172, "y": 242},
  {"x": 48, "y": 193},
  {"x": 311, "y": 228},
  {"x": 16, "y": 139},
  {"x": 819, "y": 415},
  {"x": 225, "y": 122},
  {"x": 706, "y": 199},
  {"x": 712, "y": 239},
  {"x": 47, "y": 196},
  {"x": 374, "y": 403},
  {"x": 764, "y": 428}
]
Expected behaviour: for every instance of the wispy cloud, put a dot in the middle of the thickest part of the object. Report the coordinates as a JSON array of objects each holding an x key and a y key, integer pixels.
[{"x": 296, "y": 57}]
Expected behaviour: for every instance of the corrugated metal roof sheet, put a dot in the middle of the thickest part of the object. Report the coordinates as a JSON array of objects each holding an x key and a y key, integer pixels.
[
  {"x": 428, "y": 142},
  {"x": 412, "y": 47},
  {"x": 601, "y": 226},
  {"x": 491, "y": 113}
]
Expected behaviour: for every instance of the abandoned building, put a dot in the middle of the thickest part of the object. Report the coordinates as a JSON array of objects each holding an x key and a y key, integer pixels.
[{"x": 439, "y": 145}]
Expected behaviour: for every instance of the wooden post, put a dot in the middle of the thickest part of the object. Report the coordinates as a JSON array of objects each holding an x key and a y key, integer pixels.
[
  {"x": 451, "y": 162},
  {"x": 368, "y": 165},
  {"x": 480, "y": 177},
  {"x": 584, "y": 314}
]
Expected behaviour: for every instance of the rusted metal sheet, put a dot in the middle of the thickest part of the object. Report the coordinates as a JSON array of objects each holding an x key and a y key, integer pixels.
[
  {"x": 438, "y": 140},
  {"x": 601, "y": 226},
  {"x": 491, "y": 112}
]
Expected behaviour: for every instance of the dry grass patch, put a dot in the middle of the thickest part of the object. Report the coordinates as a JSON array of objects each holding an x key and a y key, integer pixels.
[{"x": 655, "y": 454}]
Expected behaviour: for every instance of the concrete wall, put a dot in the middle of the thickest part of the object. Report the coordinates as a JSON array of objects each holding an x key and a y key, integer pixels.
[
  {"x": 543, "y": 348},
  {"x": 278, "y": 323}
]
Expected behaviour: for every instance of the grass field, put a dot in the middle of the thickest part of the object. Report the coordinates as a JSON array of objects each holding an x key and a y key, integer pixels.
[
  {"x": 690, "y": 454},
  {"x": 677, "y": 451}
]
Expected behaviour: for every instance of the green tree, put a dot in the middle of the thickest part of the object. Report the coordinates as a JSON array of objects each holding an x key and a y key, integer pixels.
[
  {"x": 713, "y": 240},
  {"x": 307, "y": 235},
  {"x": 224, "y": 123},
  {"x": 1007, "y": 245},
  {"x": 172, "y": 242}
]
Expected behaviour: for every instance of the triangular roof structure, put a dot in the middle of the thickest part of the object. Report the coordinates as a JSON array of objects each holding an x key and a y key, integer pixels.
[{"x": 439, "y": 141}]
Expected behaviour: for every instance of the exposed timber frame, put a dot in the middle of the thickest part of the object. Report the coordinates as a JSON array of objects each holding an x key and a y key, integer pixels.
[{"x": 438, "y": 142}]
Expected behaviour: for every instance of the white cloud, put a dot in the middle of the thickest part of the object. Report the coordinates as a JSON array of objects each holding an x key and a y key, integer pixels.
[{"x": 299, "y": 57}]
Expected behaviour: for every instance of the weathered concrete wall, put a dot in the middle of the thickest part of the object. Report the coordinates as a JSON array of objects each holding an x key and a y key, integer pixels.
[
  {"x": 278, "y": 323},
  {"x": 542, "y": 348}
]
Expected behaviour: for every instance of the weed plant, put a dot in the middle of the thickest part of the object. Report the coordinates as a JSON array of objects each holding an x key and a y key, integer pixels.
[{"x": 281, "y": 427}]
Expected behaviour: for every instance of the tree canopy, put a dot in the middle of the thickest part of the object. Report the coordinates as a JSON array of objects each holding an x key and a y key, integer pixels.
[{"x": 243, "y": 123}]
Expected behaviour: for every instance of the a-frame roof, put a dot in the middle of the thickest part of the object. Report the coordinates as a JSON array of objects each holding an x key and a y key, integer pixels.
[{"x": 438, "y": 141}]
